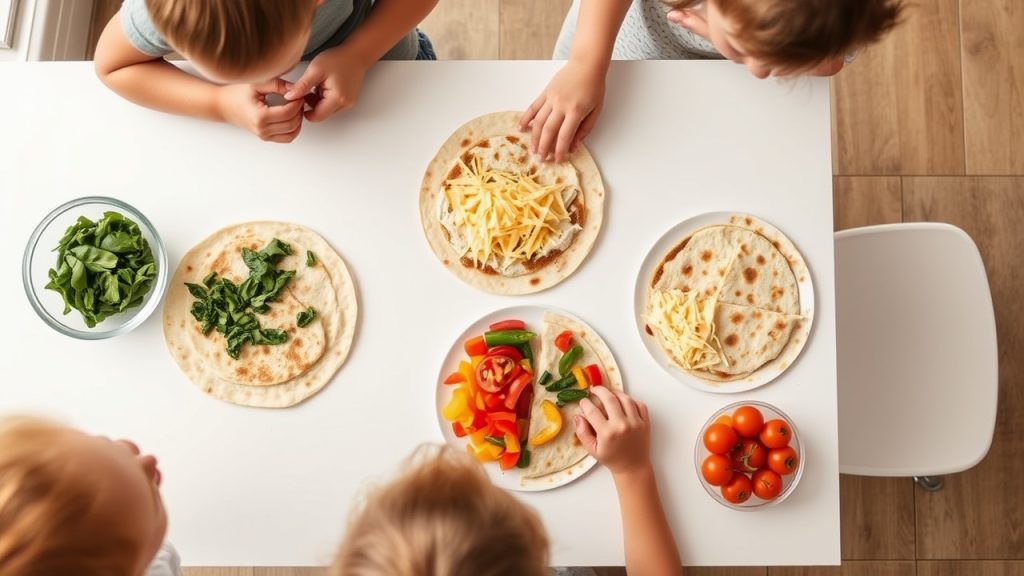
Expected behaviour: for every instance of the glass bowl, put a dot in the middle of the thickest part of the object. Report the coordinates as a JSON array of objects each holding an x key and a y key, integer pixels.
[
  {"x": 789, "y": 481},
  {"x": 40, "y": 257}
]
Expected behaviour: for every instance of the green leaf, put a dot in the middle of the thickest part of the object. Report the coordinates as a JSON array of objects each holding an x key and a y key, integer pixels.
[
  {"x": 304, "y": 317},
  {"x": 95, "y": 259},
  {"x": 310, "y": 258}
]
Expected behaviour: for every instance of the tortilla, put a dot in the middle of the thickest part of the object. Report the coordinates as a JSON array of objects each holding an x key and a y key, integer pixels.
[
  {"x": 495, "y": 138},
  {"x": 758, "y": 307},
  {"x": 291, "y": 372},
  {"x": 564, "y": 451}
]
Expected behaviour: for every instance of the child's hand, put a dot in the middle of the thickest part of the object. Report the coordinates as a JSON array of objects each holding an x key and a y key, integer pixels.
[
  {"x": 616, "y": 430},
  {"x": 246, "y": 106},
  {"x": 566, "y": 111},
  {"x": 337, "y": 76}
]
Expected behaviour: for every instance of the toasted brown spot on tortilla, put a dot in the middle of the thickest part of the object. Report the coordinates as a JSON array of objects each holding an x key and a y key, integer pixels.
[
  {"x": 266, "y": 350},
  {"x": 254, "y": 246},
  {"x": 485, "y": 143},
  {"x": 776, "y": 244},
  {"x": 534, "y": 281},
  {"x": 736, "y": 318},
  {"x": 263, "y": 374},
  {"x": 749, "y": 274},
  {"x": 731, "y": 340},
  {"x": 647, "y": 328},
  {"x": 706, "y": 255},
  {"x": 446, "y": 262},
  {"x": 750, "y": 299},
  {"x": 745, "y": 249},
  {"x": 512, "y": 139},
  {"x": 455, "y": 172},
  {"x": 188, "y": 268},
  {"x": 467, "y": 158},
  {"x": 297, "y": 342},
  {"x": 748, "y": 220},
  {"x": 760, "y": 259},
  {"x": 687, "y": 270},
  {"x": 703, "y": 272},
  {"x": 721, "y": 271},
  {"x": 738, "y": 293},
  {"x": 497, "y": 156},
  {"x": 241, "y": 371},
  {"x": 465, "y": 142},
  {"x": 559, "y": 180},
  {"x": 756, "y": 313},
  {"x": 777, "y": 293},
  {"x": 780, "y": 325},
  {"x": 522, "y": 159}
]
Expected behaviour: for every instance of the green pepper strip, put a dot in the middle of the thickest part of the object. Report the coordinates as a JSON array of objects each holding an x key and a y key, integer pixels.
[
  {"x": 524, "y": 459},
  {"x": 495, "y": 440},
  {"x": 507, "y": 337},
  {"x": 562, "y": 383},
  {"x": 545, "y": 378},
  {"x": 569, "y": 359},
  {"x": 567, "y": 396}
]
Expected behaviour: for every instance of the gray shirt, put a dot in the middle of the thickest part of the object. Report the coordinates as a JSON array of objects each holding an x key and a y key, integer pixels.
[
  {"x": 646, "y": 34},
  {"x": 330, "y": 26}
]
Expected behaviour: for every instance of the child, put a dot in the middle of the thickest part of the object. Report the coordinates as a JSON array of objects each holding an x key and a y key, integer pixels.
[
  {"x": 443, "y": 516},
  {"x": 770, "y": 37},
  {"x": 245, "y": 46},
  {"x": 77, "y": 504}
]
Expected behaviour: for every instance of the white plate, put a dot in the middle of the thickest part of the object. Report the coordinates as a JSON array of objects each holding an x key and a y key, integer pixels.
[
  {"x": 509, "y": 479},
  {"x": 805, "y": 286}
]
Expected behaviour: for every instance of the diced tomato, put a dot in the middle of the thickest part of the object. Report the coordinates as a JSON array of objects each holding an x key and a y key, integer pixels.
[
  {"x": 458, "y": 429},
  {"x": 515, "y": 390},
  {"x": 497, "y": 416},
  {"x": 506, "y": 427},
  {"x": 508, "y": 325},
  {"x": 506, "y": 350},
  {"x": 508, "y": 460},
  {"x": 593, "y": 374},
  {"x": 564, "y": 341},
  {"x": 525, "y": 402},
  {"x": 455, "y": 378},
  {"x": 495, "y": 373},
  {"x": 475, "y": 346}
]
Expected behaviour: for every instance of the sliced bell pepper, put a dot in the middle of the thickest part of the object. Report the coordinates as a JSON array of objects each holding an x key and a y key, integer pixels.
[
  {"x": 475, "y": 361},
  {"x": 475, "y": 346},
  {"x": 457, "y": 406},
  {"x": 488, "y": 452},
  {"x": 458, "y": 429},
  {"x": 510, "y": 351},
  {"x": 527, "y": 365},
  {"x": 492, "y": 400},
  {"x": 507, "y": 325},
  {"x": 508, "y": 460},
  {"x": 510, "y": 337},
  {"x": 479, "y": 403},
  {"x": 516, "y": 389},
  {"x": 466, "y": 369},
  {"x": 564, "y": 341},
  {"x": 554, "y": 426},
  {"x": 525, "y": 403},
  {"x": 593, "y": 375},
  {"x": 506, "y": 427},
  {"x": 477, "y": 437},
  {"x": 581, "y": 380},
  {"x": 523, "y": 427},
  {"x": 512, "y": 443},
  {"x": 496, "y": 416},
  {"x": 455, "y": 378},
  {"x": 479, "y": 421}
]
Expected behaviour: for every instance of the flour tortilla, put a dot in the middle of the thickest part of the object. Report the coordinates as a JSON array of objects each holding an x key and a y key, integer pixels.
[
  {"x": 468, "y": 137},
  {"x": 750, "y": 337},
  {"x": 564, "y": 451},
  {"x": 325, "y": 283}
]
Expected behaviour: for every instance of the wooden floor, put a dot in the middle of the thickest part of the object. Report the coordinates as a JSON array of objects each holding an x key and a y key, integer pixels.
[{"x": 928, "y": 125}]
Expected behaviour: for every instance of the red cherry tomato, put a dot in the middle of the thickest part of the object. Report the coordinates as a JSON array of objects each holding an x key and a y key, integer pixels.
[
  {"x": 767, "y": 484},
  {"x": 738, "y": 489},
  {"x": 776, "y": 433},
  {"x": 717, "y": 470},
  {"x": 720, "y": 439},
  {"x": 748, "y": 456},
  {"x": 748, "y": 421},
  {"x": 496, "y": 372},
  {"x": 783, "y": 460}
]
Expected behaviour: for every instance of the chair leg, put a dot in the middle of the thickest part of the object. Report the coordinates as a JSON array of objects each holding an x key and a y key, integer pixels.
[{"x": 929, "y": 483}]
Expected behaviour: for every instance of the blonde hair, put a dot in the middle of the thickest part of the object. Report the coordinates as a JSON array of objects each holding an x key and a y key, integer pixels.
[
  {"x": 799, "y": 34},
  {"x": 233, "y": 34},
  {"x": 49, "y": 522},
  {"x": 443, "y": 517}
]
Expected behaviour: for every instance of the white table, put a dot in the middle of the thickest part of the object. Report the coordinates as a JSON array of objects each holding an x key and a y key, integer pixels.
[{"x": 273, "y": 487}]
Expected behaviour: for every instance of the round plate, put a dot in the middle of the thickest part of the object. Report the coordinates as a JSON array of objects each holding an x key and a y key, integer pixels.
[
  {"x": 805, "y": 286},
  {"x": 509, "y": 479}
]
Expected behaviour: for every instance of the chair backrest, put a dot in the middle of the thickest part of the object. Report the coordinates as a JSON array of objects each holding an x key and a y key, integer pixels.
[{"x": 917, "y": 355}]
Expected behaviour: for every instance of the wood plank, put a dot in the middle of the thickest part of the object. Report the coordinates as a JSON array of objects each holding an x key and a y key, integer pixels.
[
  {"x": 978, "y": 514},
  {"x": 866, "y": 568},
  {"x": 866, "y": 200},
  {"x": 291, "y": 572},
  {"x": 975, "y": 568},
  {"x": 898, "y": 108},
  {"x": 877, "y": 518},
  {"x": 464, "y": 29},
  {"x": 697, "y": 571},
  {"x": 217, "y": 571},
  {"x": 993, "y": 63},
  {"x": 529, "y": 28}
]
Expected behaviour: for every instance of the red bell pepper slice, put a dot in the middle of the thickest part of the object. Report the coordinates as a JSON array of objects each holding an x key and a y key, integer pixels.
[
  {"x": 593, "y": 374},
  {"x": 458, "y": 429},
  {"x": 492, "y": 400},
  {"x": 475, "y": 346},
  {"x": 506, "y": 350},
  {"x": 499, "y": 416},
  {"x": 455, "y": 378},
  {"x": 525, "y": 403},
  {"x": 508, "y": 325},
  {"x": 508, "y": 460},
  {"x": 507, "y": 426},
  {"x": 564, "y": 341},
  {"x": 515, "y": 390},
  {"x": 479, "y": 420}
]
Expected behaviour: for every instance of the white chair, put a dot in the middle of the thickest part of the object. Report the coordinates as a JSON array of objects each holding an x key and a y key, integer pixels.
[{"x": 917, "y": 355}]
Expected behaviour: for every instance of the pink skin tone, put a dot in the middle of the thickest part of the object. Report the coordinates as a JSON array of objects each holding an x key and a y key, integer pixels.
[{"x": 566, "y": 111}]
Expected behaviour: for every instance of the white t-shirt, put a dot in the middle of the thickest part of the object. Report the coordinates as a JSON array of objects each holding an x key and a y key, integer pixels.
[{"x": 166, "y": 563}]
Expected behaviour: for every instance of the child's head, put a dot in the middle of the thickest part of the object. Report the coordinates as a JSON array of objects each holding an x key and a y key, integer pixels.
[
  {"x": 782, "y": 37},
  {"x": 443, "y": 516},
  {"x": 236, "y": 41},
  {"x": 75, "y": 504}
]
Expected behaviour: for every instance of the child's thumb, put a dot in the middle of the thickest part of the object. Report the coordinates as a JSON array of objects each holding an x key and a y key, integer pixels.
[
  {"x": 586, "y": 435},
  {"x": 310, "y": 79}
]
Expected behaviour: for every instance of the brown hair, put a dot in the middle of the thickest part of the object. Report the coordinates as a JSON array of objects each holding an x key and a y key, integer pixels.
[
  {"x": 49, "y": 522},
  {"x": 443, "y": 516},
  {"x": 799, "y": 34},
  {"x": 233, "y": 34}
]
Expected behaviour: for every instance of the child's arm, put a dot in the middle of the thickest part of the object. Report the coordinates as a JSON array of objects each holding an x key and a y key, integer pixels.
[
  {"x": 616, "y": 431},
  {"x": 339, "y": 72},
  {"x": 154, "y": 83},
  {"x": 567, "y": 110}
]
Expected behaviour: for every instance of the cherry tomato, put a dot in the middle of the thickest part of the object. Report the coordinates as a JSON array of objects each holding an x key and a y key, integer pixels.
[
  {"x": 767, "y": 484},
  {"x": 748, "y": 456},
  {"x": 717, "y": 470},
  {"x": 496, "y": 372},
  {"x": 776, "y": 434},
  {"x": 748, "y": 421},
  {"x": 507, "y": 325},
  {"x": 564, "y": 341},
  {"x": 506, "y": 350},
  {"x": 783, "y": 460},
  {"x": 738, "y": 489},
  {"x": 720, "y": 439}
]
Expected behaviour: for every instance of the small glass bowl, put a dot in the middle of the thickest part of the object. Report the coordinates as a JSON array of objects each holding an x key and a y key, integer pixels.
[
  {"x": 40, "y": 258},
  {"x": 789, "y": 481}
]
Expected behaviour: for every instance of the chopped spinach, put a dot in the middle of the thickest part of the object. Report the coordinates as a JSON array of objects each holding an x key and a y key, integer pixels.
[
  {"x": 304, "y": 317},
  {"x": 310, "y": 258}
]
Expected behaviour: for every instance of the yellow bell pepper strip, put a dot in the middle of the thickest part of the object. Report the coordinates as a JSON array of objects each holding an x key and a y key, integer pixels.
[
  {"x": 457, "y": 406},
  {"x": 466, "y": 369},
  {"x": 581, "y": 380},
  {"x": 487, "y": 452},
  {"x": 512, "y": 443},
  {"x": 554, "y": 418},
  {"x": 475, "y": 361},
  {"x": 477, "y": 437}
]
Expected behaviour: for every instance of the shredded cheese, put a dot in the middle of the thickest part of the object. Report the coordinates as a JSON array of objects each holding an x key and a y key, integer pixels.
[
  {"x": 685, "y": 325},
  {"x": 506, "y": 218}
]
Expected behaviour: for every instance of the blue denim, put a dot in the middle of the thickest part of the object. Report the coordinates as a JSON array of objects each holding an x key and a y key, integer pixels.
[{"x": 426, "y": 51}]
